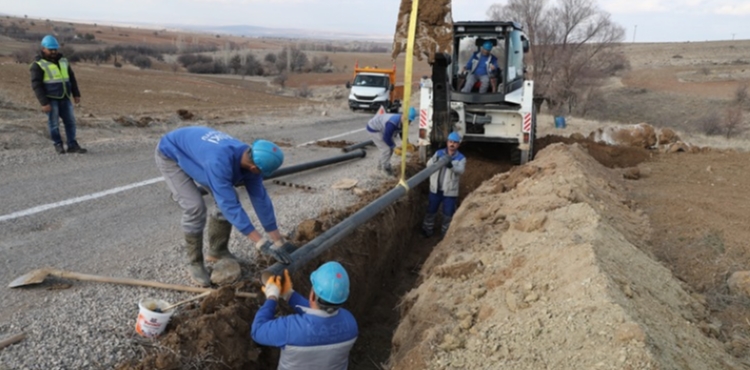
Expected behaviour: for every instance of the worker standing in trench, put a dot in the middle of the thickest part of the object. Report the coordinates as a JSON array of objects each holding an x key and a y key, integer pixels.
[
  {"x": 320, "y": 334},
  {"x": 192, "y": 156},
  {"x": 383, "y": 128},
  {"x": 444, "y": 186}
]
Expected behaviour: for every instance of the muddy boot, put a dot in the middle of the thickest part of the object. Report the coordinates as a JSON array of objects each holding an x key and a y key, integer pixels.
[
  {"x": 428, "y": 224},
  {"x": 194, "y": 248},
  {"x": 218, "y": 239},
  {"x": 446, "y": 225}
]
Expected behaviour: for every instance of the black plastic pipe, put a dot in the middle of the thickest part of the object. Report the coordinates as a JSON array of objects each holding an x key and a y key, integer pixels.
[
  {"x": 331, "y": 236},
  {"x": 304, "y": 167},
  {"x": 360, "y": 145},
  {"x": 314, "y": 164}
]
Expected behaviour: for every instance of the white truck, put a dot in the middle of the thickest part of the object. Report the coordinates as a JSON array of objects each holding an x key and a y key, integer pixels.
[
  {"x": 373, "y": 88},
  {"x": 504, "y": 115}
]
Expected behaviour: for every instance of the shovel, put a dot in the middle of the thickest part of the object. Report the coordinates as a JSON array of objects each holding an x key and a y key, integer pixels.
[{"x": 38, "y": 276}]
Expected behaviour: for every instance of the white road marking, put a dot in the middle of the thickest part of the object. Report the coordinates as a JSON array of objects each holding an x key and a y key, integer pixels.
[
  {"x": 330, "y": 137},
  {"x": 84, "y": 198},
  {"x": 47, "y": 207}
]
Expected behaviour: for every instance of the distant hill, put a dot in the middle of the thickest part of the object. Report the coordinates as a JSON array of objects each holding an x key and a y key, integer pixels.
[{"x": 253, "y": 31}]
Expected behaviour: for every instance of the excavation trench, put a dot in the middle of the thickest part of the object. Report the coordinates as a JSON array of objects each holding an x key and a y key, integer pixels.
[{"x": 383, "y": 257}]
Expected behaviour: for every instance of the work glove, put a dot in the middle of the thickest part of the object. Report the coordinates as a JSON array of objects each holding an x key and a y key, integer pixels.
[
  {"x": 266, "y": 247},
  {"x": 284, "y": 245},
  {"x": 286, "y": 286},
  {"x": 449, "y": 165},
  {"x": 272, "y": 287}
]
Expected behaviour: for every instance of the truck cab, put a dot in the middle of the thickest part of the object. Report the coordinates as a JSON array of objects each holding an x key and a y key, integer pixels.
[{"x": 374, "y": 87}]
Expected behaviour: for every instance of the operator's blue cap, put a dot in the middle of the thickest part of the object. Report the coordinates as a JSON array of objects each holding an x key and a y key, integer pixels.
[{"x": 487, "y": 45}]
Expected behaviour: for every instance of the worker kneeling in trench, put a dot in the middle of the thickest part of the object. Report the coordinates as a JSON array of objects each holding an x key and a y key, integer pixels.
[{"x": 320, "y": 334}]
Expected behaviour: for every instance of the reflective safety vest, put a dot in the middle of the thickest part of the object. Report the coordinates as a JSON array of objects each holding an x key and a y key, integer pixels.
[{"x": 56, "y": 79}]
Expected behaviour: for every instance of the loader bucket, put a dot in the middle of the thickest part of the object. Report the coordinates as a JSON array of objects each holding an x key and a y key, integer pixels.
[{"x": 433, "y": 31}]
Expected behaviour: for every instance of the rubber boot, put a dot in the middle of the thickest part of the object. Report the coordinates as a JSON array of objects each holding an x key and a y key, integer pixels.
[
  {"x": 194, "y": 248},
  {"x": 445, "y": 226},
  {"x": 428, "y": 224},
  {"x": 218, "y": 239}
]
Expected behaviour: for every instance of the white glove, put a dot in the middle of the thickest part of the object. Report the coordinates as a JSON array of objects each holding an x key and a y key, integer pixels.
[
  {"x": 272, "y": 287},
  {"x": 263, "y": 244}
]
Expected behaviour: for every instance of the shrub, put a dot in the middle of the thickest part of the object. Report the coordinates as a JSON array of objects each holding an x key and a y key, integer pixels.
[
  {"x": 24, "y": 56},
  {"x": 304, "y": 91},
  {"x": 710, "y": 124},
  {"x": 280, "y": 79},
  {"x": 142, "y": 62}
]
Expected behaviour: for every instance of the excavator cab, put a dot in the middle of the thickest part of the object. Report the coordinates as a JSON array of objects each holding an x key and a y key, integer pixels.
[
  {"x": 509, "y": 43},
  {"x": 502, "y": 115}
]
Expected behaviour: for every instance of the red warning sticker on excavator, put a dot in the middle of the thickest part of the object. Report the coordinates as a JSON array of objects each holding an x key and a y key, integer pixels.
[{"x": 527, "y": 122}]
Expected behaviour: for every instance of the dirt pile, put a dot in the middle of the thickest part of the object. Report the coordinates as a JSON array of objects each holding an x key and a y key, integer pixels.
[
  {"x": 542, "y": 269},
  {"x": 433, "y": 30},
  {"x": 213, "y": 334}
]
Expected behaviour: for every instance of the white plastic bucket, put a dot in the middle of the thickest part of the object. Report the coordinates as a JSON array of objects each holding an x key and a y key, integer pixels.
[{"x": 150, "y": 323}]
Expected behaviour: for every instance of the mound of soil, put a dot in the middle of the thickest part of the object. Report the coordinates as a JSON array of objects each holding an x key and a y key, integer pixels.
[{"x": 541, "y": 269}]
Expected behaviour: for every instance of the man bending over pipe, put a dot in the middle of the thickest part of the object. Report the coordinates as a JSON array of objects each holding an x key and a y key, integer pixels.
[{"x": 192, "y": 156}]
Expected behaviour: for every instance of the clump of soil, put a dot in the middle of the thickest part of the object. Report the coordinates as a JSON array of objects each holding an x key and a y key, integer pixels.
[
  {"x": 434, "y": 29},
  {"x": 333, "y": 143}
]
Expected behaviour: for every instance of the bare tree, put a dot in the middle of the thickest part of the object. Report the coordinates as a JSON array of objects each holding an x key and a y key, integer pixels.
[
  {"x": 235, "y": 63},
  {"x": 574, "y": 47},
  {"x": 296, "y": 62}
]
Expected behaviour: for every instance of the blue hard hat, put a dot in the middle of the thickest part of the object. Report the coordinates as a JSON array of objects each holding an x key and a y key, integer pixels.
[
  {"x": 487, "y": 45},
  {"x": 412, "y": 114},
  {"x": 50, "y": 42},
  {"x": 454, "y": 136},
  {"x": 267, "y": 156},
  {"x": 330, "y": 282}
]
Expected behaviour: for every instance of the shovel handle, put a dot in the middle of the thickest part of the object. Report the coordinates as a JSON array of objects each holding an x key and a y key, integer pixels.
[
  {"x": 12, "y": 340},
  {"x": 138, "y": 282}
]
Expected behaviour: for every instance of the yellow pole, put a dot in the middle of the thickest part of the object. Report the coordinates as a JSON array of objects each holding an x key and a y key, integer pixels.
[{"x": 407, "y": 89}]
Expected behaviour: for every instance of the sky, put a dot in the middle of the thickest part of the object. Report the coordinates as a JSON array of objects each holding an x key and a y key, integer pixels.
[{"x": 643, "y": 20}]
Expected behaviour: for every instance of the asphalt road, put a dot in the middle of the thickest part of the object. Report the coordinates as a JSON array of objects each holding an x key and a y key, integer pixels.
[{"x": 115, "y": 231}]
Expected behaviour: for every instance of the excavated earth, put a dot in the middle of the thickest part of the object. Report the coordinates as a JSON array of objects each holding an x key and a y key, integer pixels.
[{"x": 547, "y": 265}]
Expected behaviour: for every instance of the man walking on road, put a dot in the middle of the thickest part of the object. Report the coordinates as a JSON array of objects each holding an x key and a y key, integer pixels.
[
  {"x": 54, "y": 83},
  {"x": 444, "y": 186},
  {"x": 320, "y": 334},
  {"x": 192, "y": 156},
  {"x": 383, "y": 128}
]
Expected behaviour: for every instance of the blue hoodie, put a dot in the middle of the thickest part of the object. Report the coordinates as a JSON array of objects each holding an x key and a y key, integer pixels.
[{"x": 212, "y": 158}]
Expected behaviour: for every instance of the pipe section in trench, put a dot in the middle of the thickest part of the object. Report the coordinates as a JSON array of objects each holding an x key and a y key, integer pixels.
[{"x": 333, "y": 235}]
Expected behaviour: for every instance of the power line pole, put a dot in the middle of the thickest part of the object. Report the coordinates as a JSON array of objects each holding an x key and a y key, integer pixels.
[{"x": 635, "y": 28}]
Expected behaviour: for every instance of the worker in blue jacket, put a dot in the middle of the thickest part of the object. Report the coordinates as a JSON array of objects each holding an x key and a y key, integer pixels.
[
  {"x": 193, "y": 156},
  {"x": 483, "y": 67},
  {"x": 444, "y": 186},
  {"x": 383, "y": 128},
  {"x": 320, "y": 334}
]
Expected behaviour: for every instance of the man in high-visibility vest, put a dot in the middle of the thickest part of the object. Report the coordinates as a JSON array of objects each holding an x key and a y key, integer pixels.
[{"x": 54, "y": 84}]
